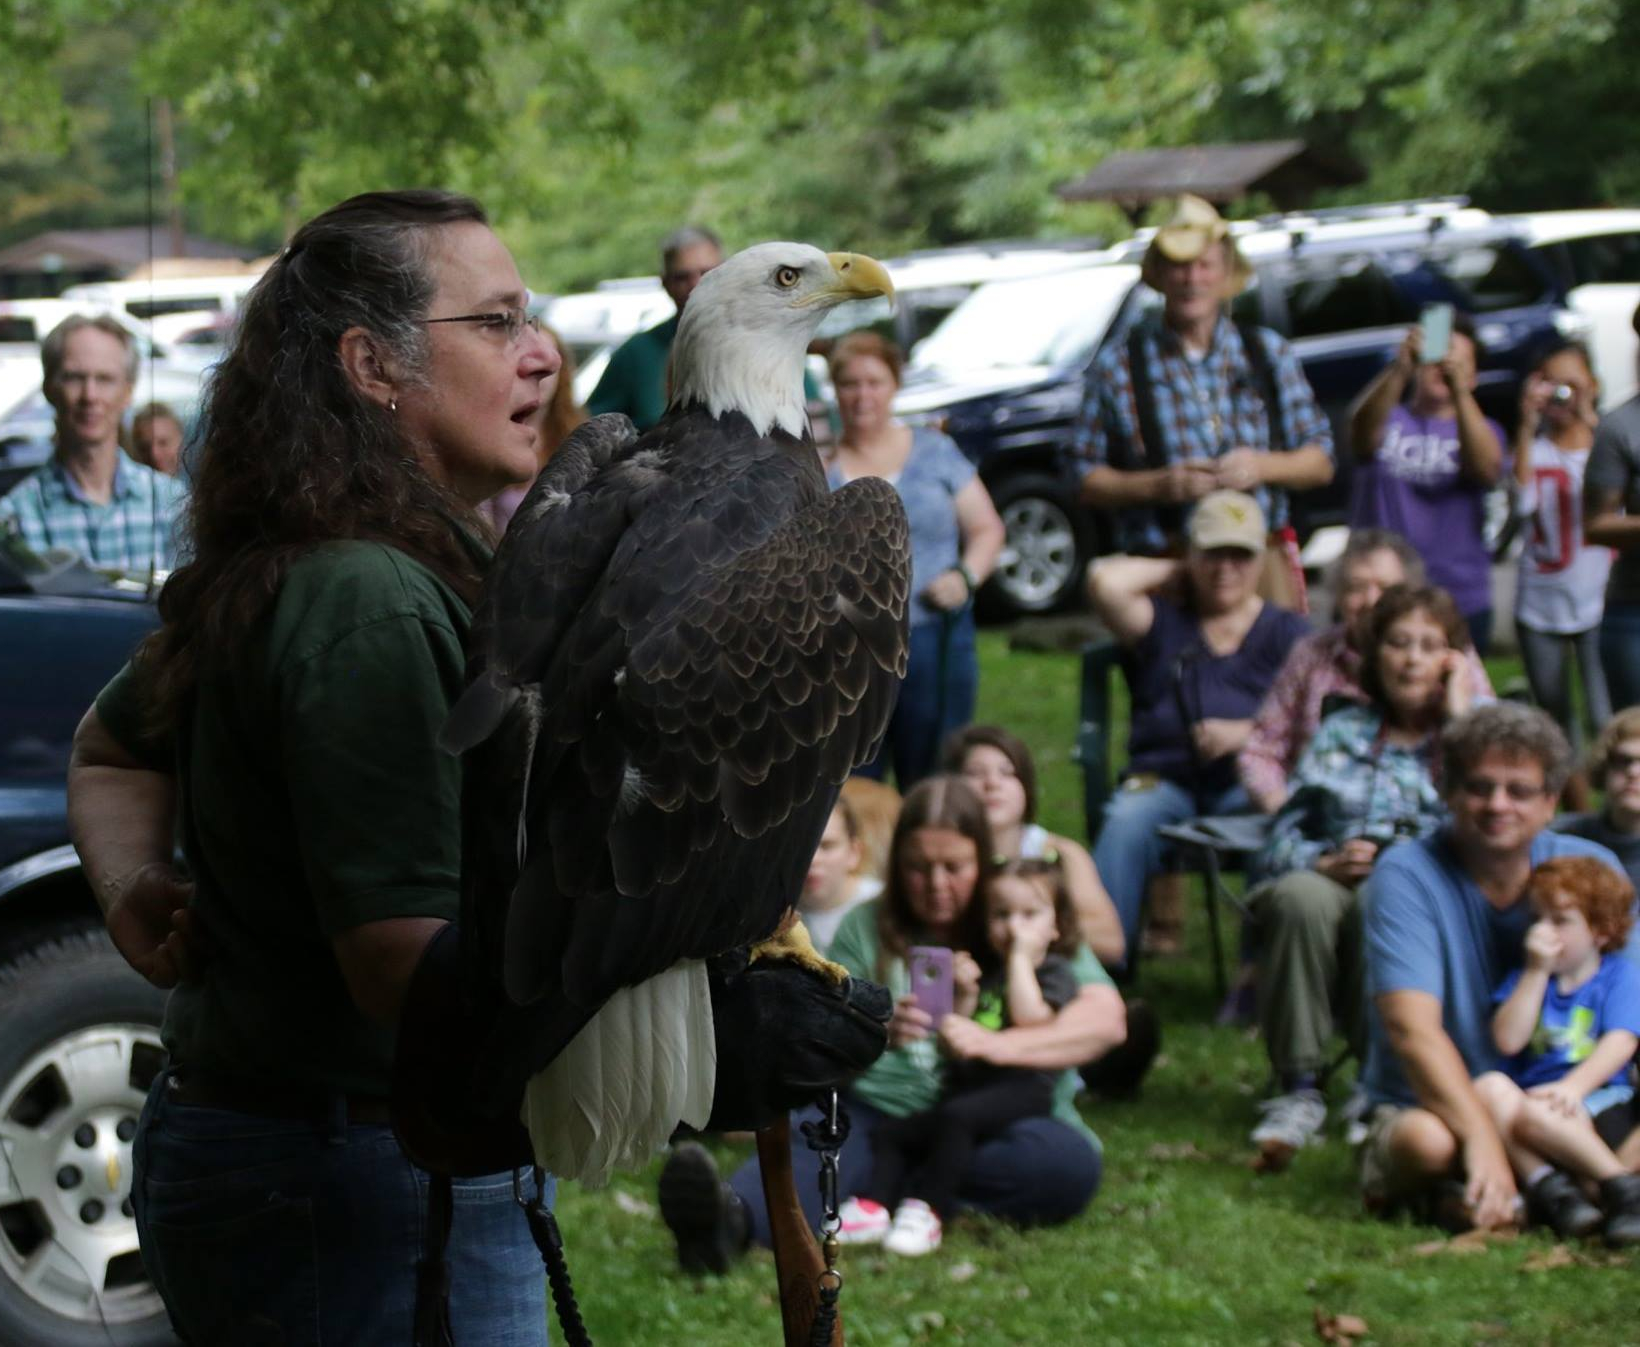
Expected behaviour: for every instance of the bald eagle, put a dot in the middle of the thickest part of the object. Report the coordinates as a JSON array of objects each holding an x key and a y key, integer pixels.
[{"x": 685, "y": 644}]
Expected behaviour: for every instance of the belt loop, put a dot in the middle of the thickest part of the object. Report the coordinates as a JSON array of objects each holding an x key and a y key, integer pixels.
[{"x": 336, "y": 1134}]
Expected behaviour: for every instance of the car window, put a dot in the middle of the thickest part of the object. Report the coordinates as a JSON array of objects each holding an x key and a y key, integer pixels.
[
  {"x": 1493, "y": 277},
  {"x": 18, "y": 330},
  {"x": 1605, "y": 259},
  {"x": 1053, "y": 320},
  {"x": 1348, "y": 297}
]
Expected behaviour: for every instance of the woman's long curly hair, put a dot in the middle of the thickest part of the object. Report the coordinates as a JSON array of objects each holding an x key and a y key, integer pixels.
[{"x": 293, "y": 455}]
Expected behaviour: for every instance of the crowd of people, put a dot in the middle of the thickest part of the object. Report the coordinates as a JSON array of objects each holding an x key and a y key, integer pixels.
[{"x": 1416, "y": 901}]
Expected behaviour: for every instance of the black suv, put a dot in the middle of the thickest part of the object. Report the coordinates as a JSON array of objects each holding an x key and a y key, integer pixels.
[
  {"x": 1004, "y": 374},
  {"x": 79, "y": 1031}
]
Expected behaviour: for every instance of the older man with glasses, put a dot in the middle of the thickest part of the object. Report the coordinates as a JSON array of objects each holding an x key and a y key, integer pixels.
[{"x": 1445, "y": 922}]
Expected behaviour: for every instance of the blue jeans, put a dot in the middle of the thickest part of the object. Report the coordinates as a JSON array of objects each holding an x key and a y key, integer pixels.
[
  {"x": 272, "y": 1230},
  {"x": 1546, "y": 656},
  {"x": 941, "y": 684},
  {"x": 1620, "y": 653},
  {"x": 1038, "y": 1171},
  {"x": 1128, "y": 851}
]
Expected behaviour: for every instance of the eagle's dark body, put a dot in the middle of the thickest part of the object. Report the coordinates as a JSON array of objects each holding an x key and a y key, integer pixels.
[{"x": 684, "y": 647}]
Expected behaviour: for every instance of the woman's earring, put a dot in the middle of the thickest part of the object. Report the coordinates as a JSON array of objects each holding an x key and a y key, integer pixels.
[{"x": 392, "y": 406}]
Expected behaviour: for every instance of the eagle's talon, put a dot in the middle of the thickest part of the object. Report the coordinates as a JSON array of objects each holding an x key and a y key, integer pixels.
[{"x": 792, "y": 943}]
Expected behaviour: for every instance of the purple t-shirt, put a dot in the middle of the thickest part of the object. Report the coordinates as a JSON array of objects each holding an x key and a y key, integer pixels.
[{"x": 1413, "y": 486}]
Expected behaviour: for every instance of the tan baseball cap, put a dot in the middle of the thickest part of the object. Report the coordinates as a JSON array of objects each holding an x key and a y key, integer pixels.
[
  {"x": 1193, "y": 227},
  {"x": 1227, "y": 519}
]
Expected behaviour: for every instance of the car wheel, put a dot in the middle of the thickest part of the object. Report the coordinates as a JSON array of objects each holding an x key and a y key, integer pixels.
[
  {"x": 1043, "y": 558},
  {"x": 79, "y": 1046}
]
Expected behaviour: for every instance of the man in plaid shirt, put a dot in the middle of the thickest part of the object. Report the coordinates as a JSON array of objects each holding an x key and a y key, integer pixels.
[
  {"x": 1208, "y": 393},
  {"x": 90, "y": 498}
]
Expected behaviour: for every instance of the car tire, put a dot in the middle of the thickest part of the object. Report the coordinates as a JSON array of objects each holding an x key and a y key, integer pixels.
[
  {"x": 1047, "y": 549},
  {"x": 79, "y": 1045}
]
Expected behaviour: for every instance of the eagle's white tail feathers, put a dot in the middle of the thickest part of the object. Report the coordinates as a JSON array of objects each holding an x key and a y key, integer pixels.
[{"x": 644, "y": 1063}]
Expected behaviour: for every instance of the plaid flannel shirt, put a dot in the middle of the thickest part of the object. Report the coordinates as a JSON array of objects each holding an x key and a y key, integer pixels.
[
  {"x": 134, "y": 531},
  {"x": 1204, "y": 408},
  {"x": 1351, "y": 782}
]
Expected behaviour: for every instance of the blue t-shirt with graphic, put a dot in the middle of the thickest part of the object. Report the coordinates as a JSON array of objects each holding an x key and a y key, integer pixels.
[{"x": 1571, "y": 1023}]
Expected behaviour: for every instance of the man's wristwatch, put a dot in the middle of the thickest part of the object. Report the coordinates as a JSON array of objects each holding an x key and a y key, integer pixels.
[{"x": 961, "y": 568}]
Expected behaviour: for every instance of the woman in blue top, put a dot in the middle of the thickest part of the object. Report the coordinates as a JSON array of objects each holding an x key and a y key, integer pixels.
[{"x": 956, "y": 537}]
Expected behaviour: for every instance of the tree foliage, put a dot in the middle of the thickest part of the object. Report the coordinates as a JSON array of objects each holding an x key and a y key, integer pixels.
[{"x": 591, "y": 126}]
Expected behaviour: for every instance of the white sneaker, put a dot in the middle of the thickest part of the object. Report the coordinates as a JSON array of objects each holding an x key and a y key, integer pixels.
[
  {"x": 1290, "y": 1122},
  {"x": 916, "y": 1229},
  {"x": 863, "y": 1221}
]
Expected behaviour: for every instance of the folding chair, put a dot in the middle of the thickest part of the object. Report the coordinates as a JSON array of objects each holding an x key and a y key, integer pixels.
[{"x": 1213, "y": 844}]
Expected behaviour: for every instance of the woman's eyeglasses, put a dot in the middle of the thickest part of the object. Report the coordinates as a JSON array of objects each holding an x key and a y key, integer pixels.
[
  {"x": 1621, "y": 762},
  {"x": 511, "y": 322}
]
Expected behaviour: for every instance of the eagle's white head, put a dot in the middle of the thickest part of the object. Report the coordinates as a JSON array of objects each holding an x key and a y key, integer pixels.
[{"x": 745, "y": 329}]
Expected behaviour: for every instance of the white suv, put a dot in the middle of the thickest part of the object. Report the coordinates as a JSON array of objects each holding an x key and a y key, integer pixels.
[{"x": 1595, "y": 258}]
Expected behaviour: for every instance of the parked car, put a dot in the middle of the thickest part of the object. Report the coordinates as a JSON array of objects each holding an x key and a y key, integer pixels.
[
  {"x": 79, "y": 1031},
  {"x": 1594, "y": 257},
  {"x": 1342, "y": 286}
]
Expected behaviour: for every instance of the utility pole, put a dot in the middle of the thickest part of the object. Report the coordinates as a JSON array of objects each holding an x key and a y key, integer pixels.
[{"x": 168, "y": 174}]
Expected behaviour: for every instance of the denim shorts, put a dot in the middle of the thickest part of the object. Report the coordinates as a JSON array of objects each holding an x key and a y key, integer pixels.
[{"x": 261, "y": 1230}]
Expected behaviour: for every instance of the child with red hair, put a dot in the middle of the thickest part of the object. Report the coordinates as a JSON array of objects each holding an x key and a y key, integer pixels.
[{"x": 1569, "y": 1022}]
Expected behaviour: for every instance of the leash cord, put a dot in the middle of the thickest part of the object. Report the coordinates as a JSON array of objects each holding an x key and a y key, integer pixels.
[
  {"x": 826, "y": 1139},
  {"x": 549, "y": 1239}
]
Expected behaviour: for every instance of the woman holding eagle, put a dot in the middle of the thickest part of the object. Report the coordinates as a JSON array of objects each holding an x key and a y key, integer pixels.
[{"x": 682, "y": 648}]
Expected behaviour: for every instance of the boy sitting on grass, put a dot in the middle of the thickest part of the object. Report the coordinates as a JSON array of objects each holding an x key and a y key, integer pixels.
[{"x": 1569, "y": 1020}]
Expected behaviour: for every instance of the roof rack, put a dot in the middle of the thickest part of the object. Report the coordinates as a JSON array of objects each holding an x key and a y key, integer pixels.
[{"x": 1434, "y": 206}]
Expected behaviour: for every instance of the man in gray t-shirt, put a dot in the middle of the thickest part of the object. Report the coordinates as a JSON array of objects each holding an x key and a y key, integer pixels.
[{"x": 1611, "y": 515}]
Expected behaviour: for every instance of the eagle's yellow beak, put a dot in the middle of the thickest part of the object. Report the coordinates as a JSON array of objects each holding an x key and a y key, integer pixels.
[{"x": 858, "y": 276}]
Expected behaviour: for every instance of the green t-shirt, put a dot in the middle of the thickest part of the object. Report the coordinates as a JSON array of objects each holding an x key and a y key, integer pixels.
[
  {"x": 634, "y": 381},
  {"x": 318, "y": 801},
  {"x": 907, "y": 1080}
]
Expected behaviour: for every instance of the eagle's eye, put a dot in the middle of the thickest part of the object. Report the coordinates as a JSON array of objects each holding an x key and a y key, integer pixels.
[{"x": 786, "y": 277}]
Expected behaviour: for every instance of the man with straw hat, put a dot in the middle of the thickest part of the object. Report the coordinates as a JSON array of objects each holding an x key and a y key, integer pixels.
[{"x": 1193, "y": 402}]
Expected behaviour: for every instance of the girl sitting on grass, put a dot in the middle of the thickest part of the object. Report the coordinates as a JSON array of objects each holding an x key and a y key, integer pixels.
[
  {"x": 1022, "y": 976},
  {"x": 1570, "y": 1021}
]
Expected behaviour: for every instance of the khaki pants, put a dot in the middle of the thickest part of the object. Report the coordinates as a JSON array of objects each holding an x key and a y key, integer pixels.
[{"x": 1310, "y": 969}]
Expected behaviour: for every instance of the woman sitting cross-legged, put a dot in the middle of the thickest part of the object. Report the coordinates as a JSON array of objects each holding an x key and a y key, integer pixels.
[
  {"x": 1365, "y": 782},
  {"x": 1199, "y": 649},
  {"x": 1036, "y": 1170}
]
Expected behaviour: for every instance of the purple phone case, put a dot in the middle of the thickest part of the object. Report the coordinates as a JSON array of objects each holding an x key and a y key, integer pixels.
[{"x": 931, "y": 980}]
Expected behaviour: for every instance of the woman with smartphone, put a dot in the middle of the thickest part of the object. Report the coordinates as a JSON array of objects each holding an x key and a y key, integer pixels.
[
  {"x": 1365, "y": 782},
  {"x": 1561, "y": 591},
  {"x": 1036, "y": 1171},
  {"x": 1424, "y": 466}
]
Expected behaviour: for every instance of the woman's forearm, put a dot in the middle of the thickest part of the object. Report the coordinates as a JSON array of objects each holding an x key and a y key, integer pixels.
[
  {"x": 121, "y": 815},
  {"x": 1092, "y": 1024}
]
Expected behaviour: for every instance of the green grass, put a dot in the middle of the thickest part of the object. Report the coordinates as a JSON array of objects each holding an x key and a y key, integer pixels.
[{"x": 1184, "y": 1244}]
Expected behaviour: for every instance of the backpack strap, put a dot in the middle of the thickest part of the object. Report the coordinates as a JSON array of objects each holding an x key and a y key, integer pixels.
[
  {"x": 1265, "y": 382},
  {"x": 1152, "y": 451}
]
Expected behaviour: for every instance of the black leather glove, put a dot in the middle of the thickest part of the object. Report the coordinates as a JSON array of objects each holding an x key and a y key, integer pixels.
[{"x": 785, "y": 1035}]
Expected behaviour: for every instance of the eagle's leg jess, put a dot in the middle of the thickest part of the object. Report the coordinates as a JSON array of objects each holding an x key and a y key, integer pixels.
[{"x": 791, "y": 942}]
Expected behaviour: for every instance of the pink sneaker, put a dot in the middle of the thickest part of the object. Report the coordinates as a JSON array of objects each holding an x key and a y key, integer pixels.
[
  {"x": 916, "y": 1229},
  {"x": 863, "y": 1221}
]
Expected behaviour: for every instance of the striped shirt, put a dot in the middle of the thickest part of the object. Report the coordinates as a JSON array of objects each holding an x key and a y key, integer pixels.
[
  {"x": 134, "y": 531},
  {"x": 1204, "y": 408}
]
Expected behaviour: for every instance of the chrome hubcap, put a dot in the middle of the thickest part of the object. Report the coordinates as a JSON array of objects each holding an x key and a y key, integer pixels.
[
  {"x": 1040, "y": 553},
  {"x": 67, "y": 1120}
]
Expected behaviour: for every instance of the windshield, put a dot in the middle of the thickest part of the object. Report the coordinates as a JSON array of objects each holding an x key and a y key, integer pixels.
[{"x": 1057, "y": 319}]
